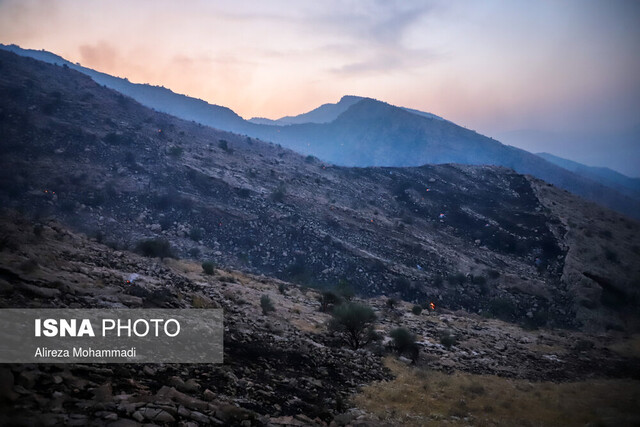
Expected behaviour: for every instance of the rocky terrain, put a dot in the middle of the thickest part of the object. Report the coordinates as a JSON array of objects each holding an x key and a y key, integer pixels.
[
  {"x": 284, "y": 368},
  {"x": 478, "y": 238},
  {"x": 531, "y": 284}
]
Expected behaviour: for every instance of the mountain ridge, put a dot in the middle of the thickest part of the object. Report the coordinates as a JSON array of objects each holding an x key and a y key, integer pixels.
[{"x": 376, "y": 142}]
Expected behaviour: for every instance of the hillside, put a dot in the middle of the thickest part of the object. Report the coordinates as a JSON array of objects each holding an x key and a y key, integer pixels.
[
  {"x": 470, "y": 237},
  {"x": 609, "y": 177},
  {"x": 366, "y": 132}
]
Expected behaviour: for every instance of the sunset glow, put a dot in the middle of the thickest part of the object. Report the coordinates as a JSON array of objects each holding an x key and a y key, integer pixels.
[{"x": 548, "y": 76}]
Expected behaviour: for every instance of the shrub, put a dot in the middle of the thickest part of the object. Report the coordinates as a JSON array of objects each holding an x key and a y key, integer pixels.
[
  {"x": 503, "y": 309},
  {"x": 403, "y": 340},
  {"x": 282, "y": 288},
  {"x": 611, "y": 255},
  {"x": 448, "y": 339},
  {"x": 266, "y": 304},
  {"x": 194, "y": 252},
  {"x": 278, "y": 194},
  {"x": 196, "y": 234},
  {"x": 176, "y": 151},
  {"x": 309, "y": 159},
  {"x": 416, "y": 309},
  {"x": 345, "y": 290},
  {"x": 328, "y": 299},
  {"x": 223, "y": 144},
  {"x": 391, "y": 302},
  {"x": 354, "y": 322},
  {"x": 208, "y": 267},
  {"x": 155, "y": 248}
]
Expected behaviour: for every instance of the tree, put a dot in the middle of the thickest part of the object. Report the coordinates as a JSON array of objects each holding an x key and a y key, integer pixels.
[
  {"x": 266, "y": 304},
  {"x": 159, "y": 248},
  {"x": 404, "y": 341},
  {"x": 345, "y": 290},
  {"x": 327, "y": 299},
  {"x": 355, "y": 323},
  {"x": 208, "y": 267}
]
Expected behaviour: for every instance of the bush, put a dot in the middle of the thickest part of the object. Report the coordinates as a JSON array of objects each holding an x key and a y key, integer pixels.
[
  {"x": 223, "y": 144},
  {"x": 196, "y": 234},
  {"x": 328, "y": 299},
  {"x": 354, "y": 322},
  {"x": 448, "y": 339},
  {"x": 345, "y": 290},
  {"x": 403, "y": 341},
  {"x": 208, "y": 267},
  {"x": 391, "y": 302},
  {"x": 155, "y": 248},
  {"x": 176, "y": 151},
  {"x": 503, "y": 309},
  {"x": 278, "y": 194},
  {"x": 266, "y": 304},
  {"x": 416, "y": 309},
  {"x": 282, "y": 288}
]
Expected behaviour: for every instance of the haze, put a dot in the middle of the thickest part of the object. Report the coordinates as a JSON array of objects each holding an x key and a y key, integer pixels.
[{"x": 560, "y": 77}]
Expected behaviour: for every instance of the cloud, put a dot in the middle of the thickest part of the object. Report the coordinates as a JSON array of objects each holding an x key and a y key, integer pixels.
[
  {"x": 389, "y": 61},
  {"x": 100, "y": 56}
]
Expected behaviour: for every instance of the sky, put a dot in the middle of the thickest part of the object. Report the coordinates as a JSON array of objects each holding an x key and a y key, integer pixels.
[{"x": 555, "y": 76}]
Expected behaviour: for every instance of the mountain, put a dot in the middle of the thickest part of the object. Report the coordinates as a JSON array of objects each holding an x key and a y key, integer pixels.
[
  {"x": 373, "y": 133},
  {"x": 126, "y": 173},
  {"x": 327, "y": 113},
  {"x": 323, "y": 114},
  {"x": 156, "y": 97},
  {"x": 366, "y": 133},
  {"x": 536, "y": 290},
  {"x": 624, "y": 184}
]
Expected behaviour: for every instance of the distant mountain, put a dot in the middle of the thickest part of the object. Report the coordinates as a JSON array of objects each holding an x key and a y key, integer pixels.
[
  {"x": 364, "y": 132},
  {"x": 374, "y": 133},
  {"x": 323, "y": 114},
  {"x": 624, "y": 184},
  {"x": 327, "y": 113}
]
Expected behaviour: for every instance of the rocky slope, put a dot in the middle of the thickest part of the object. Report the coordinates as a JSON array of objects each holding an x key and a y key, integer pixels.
[
  {"x": 284, "y": 368},
  {"x": 478, "y": 238}
]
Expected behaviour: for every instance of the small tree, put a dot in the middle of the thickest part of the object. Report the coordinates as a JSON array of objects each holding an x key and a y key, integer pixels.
[
  {"x": 266, "y": 304},
  {"x": 355, "y": 323},
  {"x": 404, "y": 341},
  {"x": 391, "y": 302},
  {"x": 160, "y": 248},
  {"x": 208, "y": 267},
  {"x": 417, "y": 309},
  {"x": 328, "y": 299},
  {"x": 448, "y": 339},
  {"x": 345, "y": 290}
]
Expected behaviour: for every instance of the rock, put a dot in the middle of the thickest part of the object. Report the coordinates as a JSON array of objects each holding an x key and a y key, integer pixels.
[
  {"x": 6, "y": 385},
  {"x": 156, "y": 414},
  {"x": 500, "y": 346},
  {"x": 138, "y": 416},
  {"x": 123, "y": 422},
  {"x": 104, "y": 393},
  {"x": 191, "y": 386},
  {"x": 41, "y": 292},
  {"x": 199, "y": 417},
  {"x": 208, "y": 395}
]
